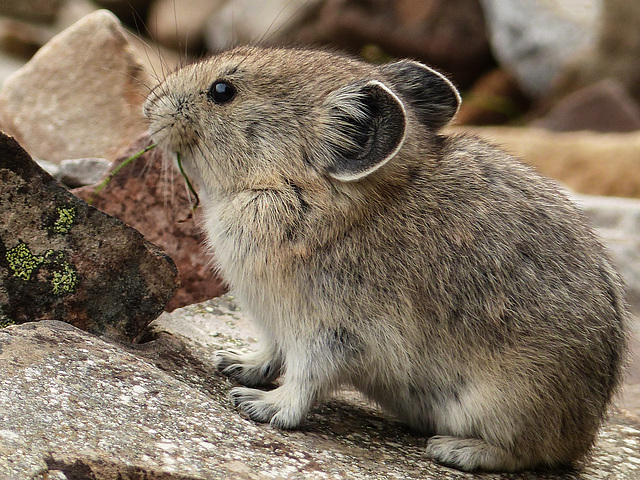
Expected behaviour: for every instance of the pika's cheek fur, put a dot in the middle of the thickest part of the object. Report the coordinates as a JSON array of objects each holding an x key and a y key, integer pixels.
[{"x": 449, "y": 283}]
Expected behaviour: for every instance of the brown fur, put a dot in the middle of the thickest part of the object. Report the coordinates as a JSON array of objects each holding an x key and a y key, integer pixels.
[{"x": 438, "y": 275}]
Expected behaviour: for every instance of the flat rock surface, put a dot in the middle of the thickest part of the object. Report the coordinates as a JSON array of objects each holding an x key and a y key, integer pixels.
[
  {"x": 75, "y": 407},
  {"x": 62, "y": 259}
]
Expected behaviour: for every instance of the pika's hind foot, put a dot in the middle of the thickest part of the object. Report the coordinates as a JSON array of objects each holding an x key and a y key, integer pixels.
[
  {"x": 259, "y": 369},
  {"x": 473, "y": 454}
]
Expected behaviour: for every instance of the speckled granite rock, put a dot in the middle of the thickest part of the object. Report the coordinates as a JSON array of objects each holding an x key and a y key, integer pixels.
[
  {"x": 62, "y": 259},
  {"x": 73, "y": 406}
]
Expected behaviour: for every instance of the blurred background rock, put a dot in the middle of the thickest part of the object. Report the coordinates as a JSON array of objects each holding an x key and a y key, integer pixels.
[{"x": 561, "y": 64}]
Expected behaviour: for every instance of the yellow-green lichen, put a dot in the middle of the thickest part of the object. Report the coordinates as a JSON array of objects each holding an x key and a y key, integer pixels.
[
  {"x": 64, "y": 222},
  {"x": 64, "y": 281},
  {"x": 6, "y": 322},
  {"x": 22, "y": 262}
]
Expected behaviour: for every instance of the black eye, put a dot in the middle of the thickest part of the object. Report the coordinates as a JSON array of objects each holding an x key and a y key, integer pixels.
[{"x": 221, "y": 92}]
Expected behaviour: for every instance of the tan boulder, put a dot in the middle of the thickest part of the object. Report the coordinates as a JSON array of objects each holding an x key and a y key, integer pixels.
[
  {"x": 80, "y": 96},
  {"x": 586, "y": 162}
]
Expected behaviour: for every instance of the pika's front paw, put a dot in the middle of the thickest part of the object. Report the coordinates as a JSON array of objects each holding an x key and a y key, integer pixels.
[
  {"x": 247, "y": 369},
  {"x": 264, "y": 407}
]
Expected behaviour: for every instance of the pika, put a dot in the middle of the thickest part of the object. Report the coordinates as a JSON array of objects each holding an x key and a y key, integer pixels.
[{"x": 451, "y": 284}]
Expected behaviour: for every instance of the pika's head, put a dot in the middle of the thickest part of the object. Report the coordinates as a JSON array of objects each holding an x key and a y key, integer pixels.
[{"x": 250, "y": 117}]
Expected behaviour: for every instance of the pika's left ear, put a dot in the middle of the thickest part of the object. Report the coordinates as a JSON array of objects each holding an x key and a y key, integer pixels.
[
  {"x": 429, "y": 93},
  {"x": 365, "y": 126}
]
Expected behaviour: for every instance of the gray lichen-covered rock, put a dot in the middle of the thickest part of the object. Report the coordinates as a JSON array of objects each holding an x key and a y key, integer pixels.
[
  {"x": 75, "y": 407},
  {"x": 62, "y": 259}
]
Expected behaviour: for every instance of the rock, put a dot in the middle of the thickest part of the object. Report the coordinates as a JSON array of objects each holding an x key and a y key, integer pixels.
[
  {"x": 149, "y": 194},
  {"x": 616, "y": 54},
  {"x": 9, "y": 64},
  {"x": 22, "y": 39},
  {"x": 450, "y": 36},
  {"x": 32, "y": 10},
  {"x": 157, "y": 61},
  {"x": 49, "y": 167},
  {"x": 78, "y": 172},
  {"x": 603, "y": 107},
  {"x": 537, "y": 40},
  {"x": 247, "y": 21},
  {"x": 61, "y": 259},
  {"x": 184, "y": 28},
  {"x": 129, "y": 11},
  {"x": 73, "y": 11},
  {"x": 80, "y": 96},
  {"x": 494, "y": 99},
  {"x": 617, "y": 221},
  {"x": 587, "y": 162},
  {"x": 74, "y": 405}
]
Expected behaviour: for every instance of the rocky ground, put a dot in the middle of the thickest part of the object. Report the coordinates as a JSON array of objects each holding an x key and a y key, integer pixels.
[
  {"x": 77, "y": 407},
  {"x": 141, "y": 399}
]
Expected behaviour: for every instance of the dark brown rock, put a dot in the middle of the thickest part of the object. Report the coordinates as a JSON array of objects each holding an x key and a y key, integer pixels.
[
  {"x": 129, "y": 11},
  {"x": 494, "y": 99},
  {"x": 602, "y": 107},
  {"x": 62, "y": 259},
  {"x": 150, "y": 195},
  {"x": 451, "y": 36},
  {"x": 448, "y": 35}
]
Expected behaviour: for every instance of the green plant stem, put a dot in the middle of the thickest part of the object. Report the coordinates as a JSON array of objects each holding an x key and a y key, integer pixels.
[
  {"x": 186, "y": 179},
  {"x": 117, "y": 169}
]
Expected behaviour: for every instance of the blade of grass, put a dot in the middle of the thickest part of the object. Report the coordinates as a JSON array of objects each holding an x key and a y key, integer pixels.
[
  {"x": 191, "y": 189},
  {"x": 137, "y": 155},
  {"x": 117, "y": 169}
]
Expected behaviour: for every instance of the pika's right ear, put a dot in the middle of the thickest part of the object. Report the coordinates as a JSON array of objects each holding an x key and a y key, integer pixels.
[
  {"x": 364, "y": 126},
  {"x": 430, "y": 94}
]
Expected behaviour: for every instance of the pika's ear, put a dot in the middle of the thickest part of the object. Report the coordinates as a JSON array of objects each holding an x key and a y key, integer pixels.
[
  {"x": 431, "y": 95},
  {"x": 365, "y": 127}
]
